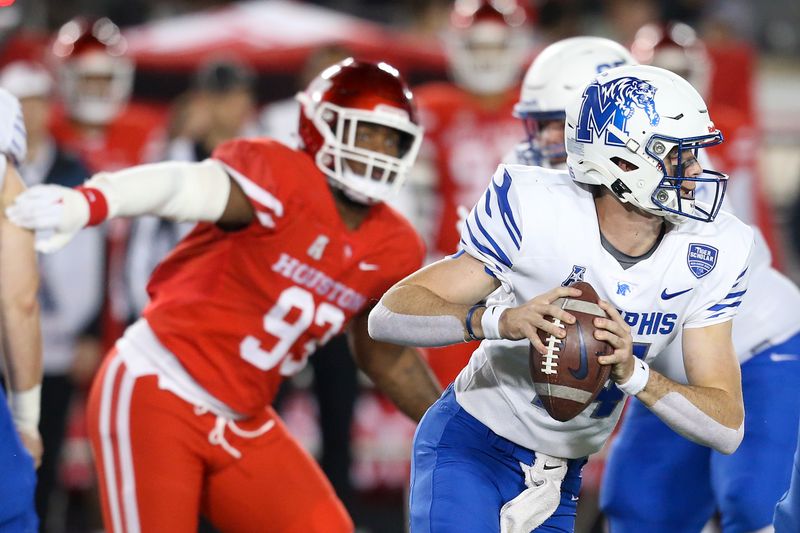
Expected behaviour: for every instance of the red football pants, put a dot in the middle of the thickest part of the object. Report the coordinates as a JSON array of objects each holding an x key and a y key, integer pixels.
[{"x": 158, "y": 469}]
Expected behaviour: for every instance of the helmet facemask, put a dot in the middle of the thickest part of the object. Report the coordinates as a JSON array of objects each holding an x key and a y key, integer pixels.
[{"x": 367, "y": 175}]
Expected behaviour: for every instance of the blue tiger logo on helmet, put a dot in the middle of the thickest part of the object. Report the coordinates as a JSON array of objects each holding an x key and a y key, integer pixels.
[{"x": 614, "y": 102}]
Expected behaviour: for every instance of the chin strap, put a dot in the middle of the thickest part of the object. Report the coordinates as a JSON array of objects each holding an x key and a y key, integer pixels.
[{"x": 540, "y": 500}]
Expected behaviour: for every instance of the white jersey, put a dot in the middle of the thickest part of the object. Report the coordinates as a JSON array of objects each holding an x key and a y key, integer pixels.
[
  {"x": 535, "y": 229},
  {"x": 769, "y": 314},
  {"x": 13, "y": 143}
]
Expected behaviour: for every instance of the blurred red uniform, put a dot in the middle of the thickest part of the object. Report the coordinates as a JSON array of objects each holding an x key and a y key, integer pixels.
[
  {"x": 469, "y": 126},
  {"x": 465, "y": 142},
  {"x": 231, "y": 315}
]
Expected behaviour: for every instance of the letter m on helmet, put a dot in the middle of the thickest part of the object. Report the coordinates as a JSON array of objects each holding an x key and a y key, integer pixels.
[
  {"x": 597, "y": 112},
  {"x": 615, "y": 103}
]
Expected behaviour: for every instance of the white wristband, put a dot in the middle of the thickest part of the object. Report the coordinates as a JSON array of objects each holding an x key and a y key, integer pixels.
[
  {"x": 25, "y": 408},
  {"x": 638, "y": 380},
  {"x": 490, "y": 321}
]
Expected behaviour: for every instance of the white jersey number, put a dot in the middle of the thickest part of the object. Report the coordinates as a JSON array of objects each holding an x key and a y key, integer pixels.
[{"x": 287, "y": 333}]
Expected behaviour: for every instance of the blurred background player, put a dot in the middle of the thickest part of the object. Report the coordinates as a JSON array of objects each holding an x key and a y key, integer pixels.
[
  {"x": 298, "y": 245},
  {"x": 97, "y": 122},
  {"x": 70, "y": 281},
  {"x": 787, "y": 512},
  {"x": 468, "y": 130},
  {"x": 767, "y": 341},
  {"x": 20, "y": 443}
]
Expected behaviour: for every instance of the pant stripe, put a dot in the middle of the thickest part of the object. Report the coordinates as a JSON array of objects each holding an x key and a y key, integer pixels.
[
  {"x": 106, "y": 401},
  {"x": 128, "y": 481}
]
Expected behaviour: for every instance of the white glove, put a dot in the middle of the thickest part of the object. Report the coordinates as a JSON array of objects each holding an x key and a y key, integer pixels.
[
  {"x": 540, "y": 500},
  {"x": 56, "y": 213}
]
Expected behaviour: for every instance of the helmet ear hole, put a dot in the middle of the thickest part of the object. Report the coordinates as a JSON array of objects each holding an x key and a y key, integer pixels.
[{"x": 626, "y": 166}]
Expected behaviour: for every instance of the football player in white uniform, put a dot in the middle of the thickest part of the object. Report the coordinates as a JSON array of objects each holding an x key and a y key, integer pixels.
[
  {"x": 689, "y": 484},
  {"x": 20, "y": 444},
  {"x": 486, "y": 457}
]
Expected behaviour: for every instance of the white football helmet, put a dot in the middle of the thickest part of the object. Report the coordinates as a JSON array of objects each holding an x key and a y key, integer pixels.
[
  {"x": 553, "y": 80},
  {"x": 639, "y": 114}
]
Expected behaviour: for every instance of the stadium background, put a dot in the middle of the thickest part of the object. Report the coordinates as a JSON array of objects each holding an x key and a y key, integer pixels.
[{"x": 754, "y": 46}]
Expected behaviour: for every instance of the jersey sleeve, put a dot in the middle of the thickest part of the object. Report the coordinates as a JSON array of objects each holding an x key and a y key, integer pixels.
[
  {"x": 250, "y": 165},
  {"x": 492, "y": 232},
  {"x": 720, "y": 301},
  {"x": 12, "y": 128}
]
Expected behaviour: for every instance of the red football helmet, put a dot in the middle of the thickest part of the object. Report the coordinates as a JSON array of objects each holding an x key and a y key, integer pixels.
[
  {"x": 674, "y": 46},
  {"x": 337, "y": 110},
  {"x": 487, "y": 44},
  {"x": 95, "y": 77}
]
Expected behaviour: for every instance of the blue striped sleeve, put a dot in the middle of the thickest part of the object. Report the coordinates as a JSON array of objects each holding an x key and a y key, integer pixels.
[{"x": 492, "y": 232}]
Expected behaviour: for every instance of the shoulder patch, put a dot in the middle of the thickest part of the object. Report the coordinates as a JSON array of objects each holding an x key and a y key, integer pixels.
[{"x": 701, "y": 258}]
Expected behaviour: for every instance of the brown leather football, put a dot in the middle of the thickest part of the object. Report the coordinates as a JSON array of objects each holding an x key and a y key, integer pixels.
[{"x": 569, "y": 377}]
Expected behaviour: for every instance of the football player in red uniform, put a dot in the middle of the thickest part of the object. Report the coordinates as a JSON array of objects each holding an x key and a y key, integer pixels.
[
  {"x": 293, "y": 246},
  {"x": 97, "y": 122},
  {"x": 469, "y": 127}
]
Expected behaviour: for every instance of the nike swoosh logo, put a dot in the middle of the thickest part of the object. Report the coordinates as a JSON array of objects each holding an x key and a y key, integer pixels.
[
  {"x": 669, "y": 296},
  {"x": 778, "y": 357},
  {"x": 367, "y": 266},
  {"x": 551, "y": 467},
  {"x": 583, "y": 370}
]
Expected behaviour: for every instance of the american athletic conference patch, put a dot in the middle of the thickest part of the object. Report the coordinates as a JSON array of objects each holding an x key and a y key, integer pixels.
[{"x": 701, "y": 259}]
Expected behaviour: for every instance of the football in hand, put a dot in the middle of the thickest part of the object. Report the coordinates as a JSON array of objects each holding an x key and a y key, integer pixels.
[{"x": 569, "y": 377}]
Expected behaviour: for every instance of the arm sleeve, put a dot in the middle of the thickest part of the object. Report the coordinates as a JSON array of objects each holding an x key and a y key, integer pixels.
[
  {"x": 12, "y": 128},
  {"x": 492, "y": 232}
]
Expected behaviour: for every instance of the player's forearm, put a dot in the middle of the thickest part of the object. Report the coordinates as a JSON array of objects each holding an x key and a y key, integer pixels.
[
  {"x": 406, "y": 380},
  {"x": 175, "y": 190},
  {"x": 413, "y": 315},
  {"x": 709, "y": 416}
]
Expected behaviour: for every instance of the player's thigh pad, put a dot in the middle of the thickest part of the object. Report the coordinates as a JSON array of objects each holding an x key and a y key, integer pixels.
[
  {"x": 462, "y": 474},
  {"x": 275, "y": 482},
  {"x": 150, "y": 450},
  {"x": 748, "y": 483},
  {"x": 655, "y": 480}
]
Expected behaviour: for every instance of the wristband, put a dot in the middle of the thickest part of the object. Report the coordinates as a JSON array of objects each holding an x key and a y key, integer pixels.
[
  {"x": 25, "y": 408},
  {"x": 98, "y": 205},
  {"x": 638, "y": 380},
  {"x": 468, "y": 321},
  {"x": 490, "y": 321}
]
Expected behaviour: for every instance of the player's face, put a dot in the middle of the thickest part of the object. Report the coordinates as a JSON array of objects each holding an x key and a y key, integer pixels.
[
  {"x": 96, "y": 85},
  {"x": 690, "y": 168},
  {"x": 550, "y": 138},
  {"x": 375, "y": 138}
]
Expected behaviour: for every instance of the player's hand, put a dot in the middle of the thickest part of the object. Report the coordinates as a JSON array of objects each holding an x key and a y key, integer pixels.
[
  {"x": 32, "y": 442},
  {"x": 617, "y": 333},
  {"x": 56, "y": 213},
  {"x": 523, "y": 322}
]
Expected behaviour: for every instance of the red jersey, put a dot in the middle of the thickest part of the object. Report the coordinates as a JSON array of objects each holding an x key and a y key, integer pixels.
[
  {"x": 125, "y": 142},
  {"x": 465, "y": 141},
  {"x": 242, "y": 309}
]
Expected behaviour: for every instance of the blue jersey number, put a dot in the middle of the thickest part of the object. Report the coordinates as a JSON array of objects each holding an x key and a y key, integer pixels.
[{"x": 610, "y": 396}]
